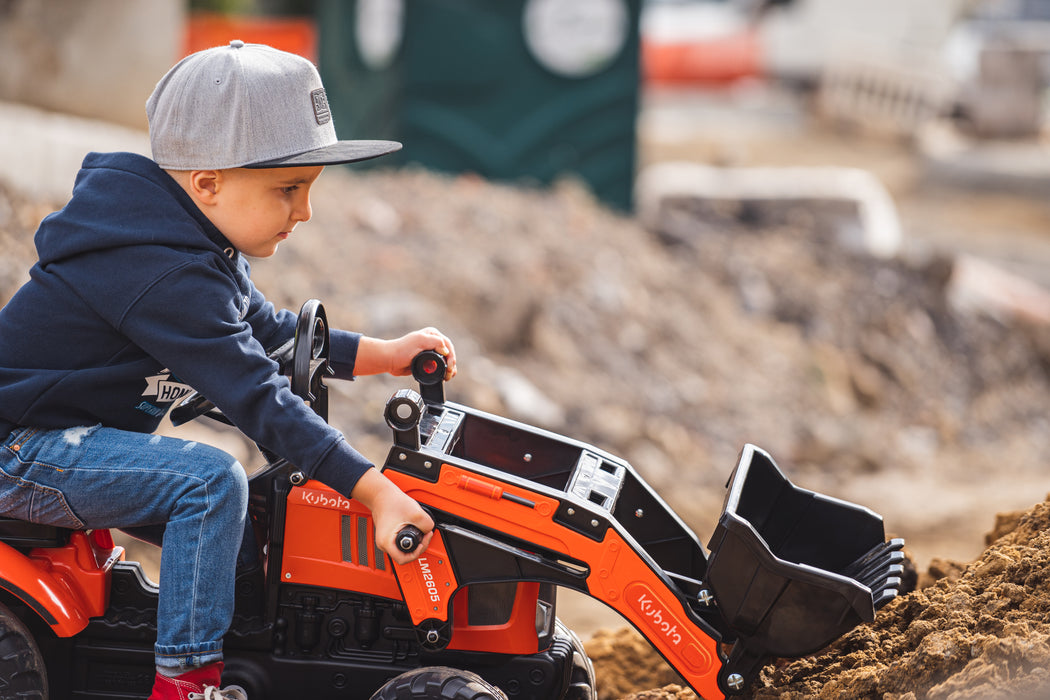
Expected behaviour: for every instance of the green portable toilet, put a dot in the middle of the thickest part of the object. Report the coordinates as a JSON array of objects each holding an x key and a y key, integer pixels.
[{"x": 513, "y": 90}]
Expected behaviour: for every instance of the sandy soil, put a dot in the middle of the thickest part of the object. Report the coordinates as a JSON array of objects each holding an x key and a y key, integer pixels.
[{"x": 974, "y": 631}]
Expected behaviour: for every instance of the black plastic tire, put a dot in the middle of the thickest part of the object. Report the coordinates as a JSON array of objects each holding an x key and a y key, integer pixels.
[
  {"x": 438, "y": 683},
  {"x": 582, "y": 684},
  {"x": 23, "y": 673}
]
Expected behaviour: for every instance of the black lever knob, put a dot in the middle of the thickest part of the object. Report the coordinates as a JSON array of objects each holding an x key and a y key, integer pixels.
[
  {"x": 408, "y": 538},
  {"x": 428, "y": 368}
]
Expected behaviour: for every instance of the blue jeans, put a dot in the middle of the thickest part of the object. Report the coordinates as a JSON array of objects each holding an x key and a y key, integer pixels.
[{"x": 93, "y": 478}]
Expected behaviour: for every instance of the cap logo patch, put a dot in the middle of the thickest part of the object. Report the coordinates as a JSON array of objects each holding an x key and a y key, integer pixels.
[{"x": 322, "y": 113}]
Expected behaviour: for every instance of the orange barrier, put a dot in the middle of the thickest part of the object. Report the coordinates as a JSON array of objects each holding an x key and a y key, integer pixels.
[
  {"x": 294, "y": 34},
  {"x": 713, "y": 61}
]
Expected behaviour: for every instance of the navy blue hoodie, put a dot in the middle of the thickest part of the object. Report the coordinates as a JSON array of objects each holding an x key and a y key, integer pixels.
[{"x": 136, "y": 298}]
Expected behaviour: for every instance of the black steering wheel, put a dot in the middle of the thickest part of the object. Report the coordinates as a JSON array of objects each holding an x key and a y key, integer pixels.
[{"x": 304, "y": 358}]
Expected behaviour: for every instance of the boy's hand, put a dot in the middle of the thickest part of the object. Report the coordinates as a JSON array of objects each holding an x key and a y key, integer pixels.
[
  {"x": 391, "y": 510},
  {"x": 395, "y": 356}
]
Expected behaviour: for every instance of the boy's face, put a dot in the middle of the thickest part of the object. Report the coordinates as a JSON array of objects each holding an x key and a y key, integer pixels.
[{"x": 256, "y": 209}]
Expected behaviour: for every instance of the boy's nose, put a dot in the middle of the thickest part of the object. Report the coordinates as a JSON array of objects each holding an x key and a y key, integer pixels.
[{"x": 303, "y": 212}]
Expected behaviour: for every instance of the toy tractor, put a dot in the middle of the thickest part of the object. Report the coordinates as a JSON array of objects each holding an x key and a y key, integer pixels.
[{"x": 519, "y": 512}]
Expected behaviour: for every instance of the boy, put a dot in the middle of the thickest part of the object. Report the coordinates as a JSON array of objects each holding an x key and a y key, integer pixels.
[{"x": 142, "y": 284}]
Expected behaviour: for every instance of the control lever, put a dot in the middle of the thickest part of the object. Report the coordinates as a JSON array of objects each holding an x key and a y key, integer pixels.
[
  {"x": 408, "y": 538},
  {"x": 428, "y": 368}
]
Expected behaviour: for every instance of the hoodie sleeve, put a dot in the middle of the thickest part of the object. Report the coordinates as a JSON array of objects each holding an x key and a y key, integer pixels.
[
  {"x": 272, "y": 328},
  {"x": 269, "y": 326},
  {"x": 190, "y": 321}
]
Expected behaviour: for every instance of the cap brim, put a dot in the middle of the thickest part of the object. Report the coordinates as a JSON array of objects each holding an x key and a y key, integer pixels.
[{"x": 336, "y": 154}]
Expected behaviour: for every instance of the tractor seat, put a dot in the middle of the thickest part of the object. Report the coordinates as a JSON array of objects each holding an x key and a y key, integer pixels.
[{"x": 22, "y": 534}]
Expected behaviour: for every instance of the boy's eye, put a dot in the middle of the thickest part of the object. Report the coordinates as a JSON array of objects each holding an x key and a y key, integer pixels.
[{"x": 289, "y": 189}]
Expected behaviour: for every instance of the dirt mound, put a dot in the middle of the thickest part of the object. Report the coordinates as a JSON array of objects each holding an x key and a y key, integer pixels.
[
  {"x": 625, "y": 663},
  {"x": 979, "y": 631},
  {"x": 983, "y": 632}
]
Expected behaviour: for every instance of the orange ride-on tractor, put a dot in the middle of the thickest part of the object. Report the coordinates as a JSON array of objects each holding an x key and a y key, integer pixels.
[{"x": 520, "y": 512}]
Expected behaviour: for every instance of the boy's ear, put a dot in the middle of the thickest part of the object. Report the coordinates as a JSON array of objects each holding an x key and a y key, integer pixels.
[{"x": 205, "y": 184}]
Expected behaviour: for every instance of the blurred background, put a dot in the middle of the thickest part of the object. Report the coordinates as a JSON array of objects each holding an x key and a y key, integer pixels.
[{"x": 667, "y": 227}]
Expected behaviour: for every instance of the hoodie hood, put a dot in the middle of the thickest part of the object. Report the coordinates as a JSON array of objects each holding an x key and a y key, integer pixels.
[
  {"x": 153, "y": 210},
  {"x": 137, "y": 298}
]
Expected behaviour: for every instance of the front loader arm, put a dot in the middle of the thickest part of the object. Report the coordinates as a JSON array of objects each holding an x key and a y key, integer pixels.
[{"x": 491, "y": 531}]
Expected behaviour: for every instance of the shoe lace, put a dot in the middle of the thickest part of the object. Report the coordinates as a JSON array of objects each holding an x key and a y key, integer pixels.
[{"x": 232, "y": 692}]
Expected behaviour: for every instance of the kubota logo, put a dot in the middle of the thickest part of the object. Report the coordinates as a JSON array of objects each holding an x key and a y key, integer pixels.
[
  {"x": 428, "y": 580},
  {"x": 641, "y": 599},
  {"x": 322, "y": 499}
]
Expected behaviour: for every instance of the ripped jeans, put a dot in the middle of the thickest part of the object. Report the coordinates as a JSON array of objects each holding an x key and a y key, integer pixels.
[{"x": 93, "y": 478}]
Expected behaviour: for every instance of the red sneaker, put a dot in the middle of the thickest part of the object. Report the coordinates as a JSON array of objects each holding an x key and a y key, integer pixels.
[{"x": 199, "y": 684}]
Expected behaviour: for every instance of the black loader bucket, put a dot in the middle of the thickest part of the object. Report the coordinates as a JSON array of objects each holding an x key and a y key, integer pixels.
[{"x": 793, "y": 570}]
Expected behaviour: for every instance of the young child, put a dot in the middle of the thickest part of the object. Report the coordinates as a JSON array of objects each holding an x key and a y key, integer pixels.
[{"x": 143, "y": 286}]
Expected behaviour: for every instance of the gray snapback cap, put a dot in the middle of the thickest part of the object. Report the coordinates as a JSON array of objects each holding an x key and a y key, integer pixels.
[{"x": 247, "y": 106}]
